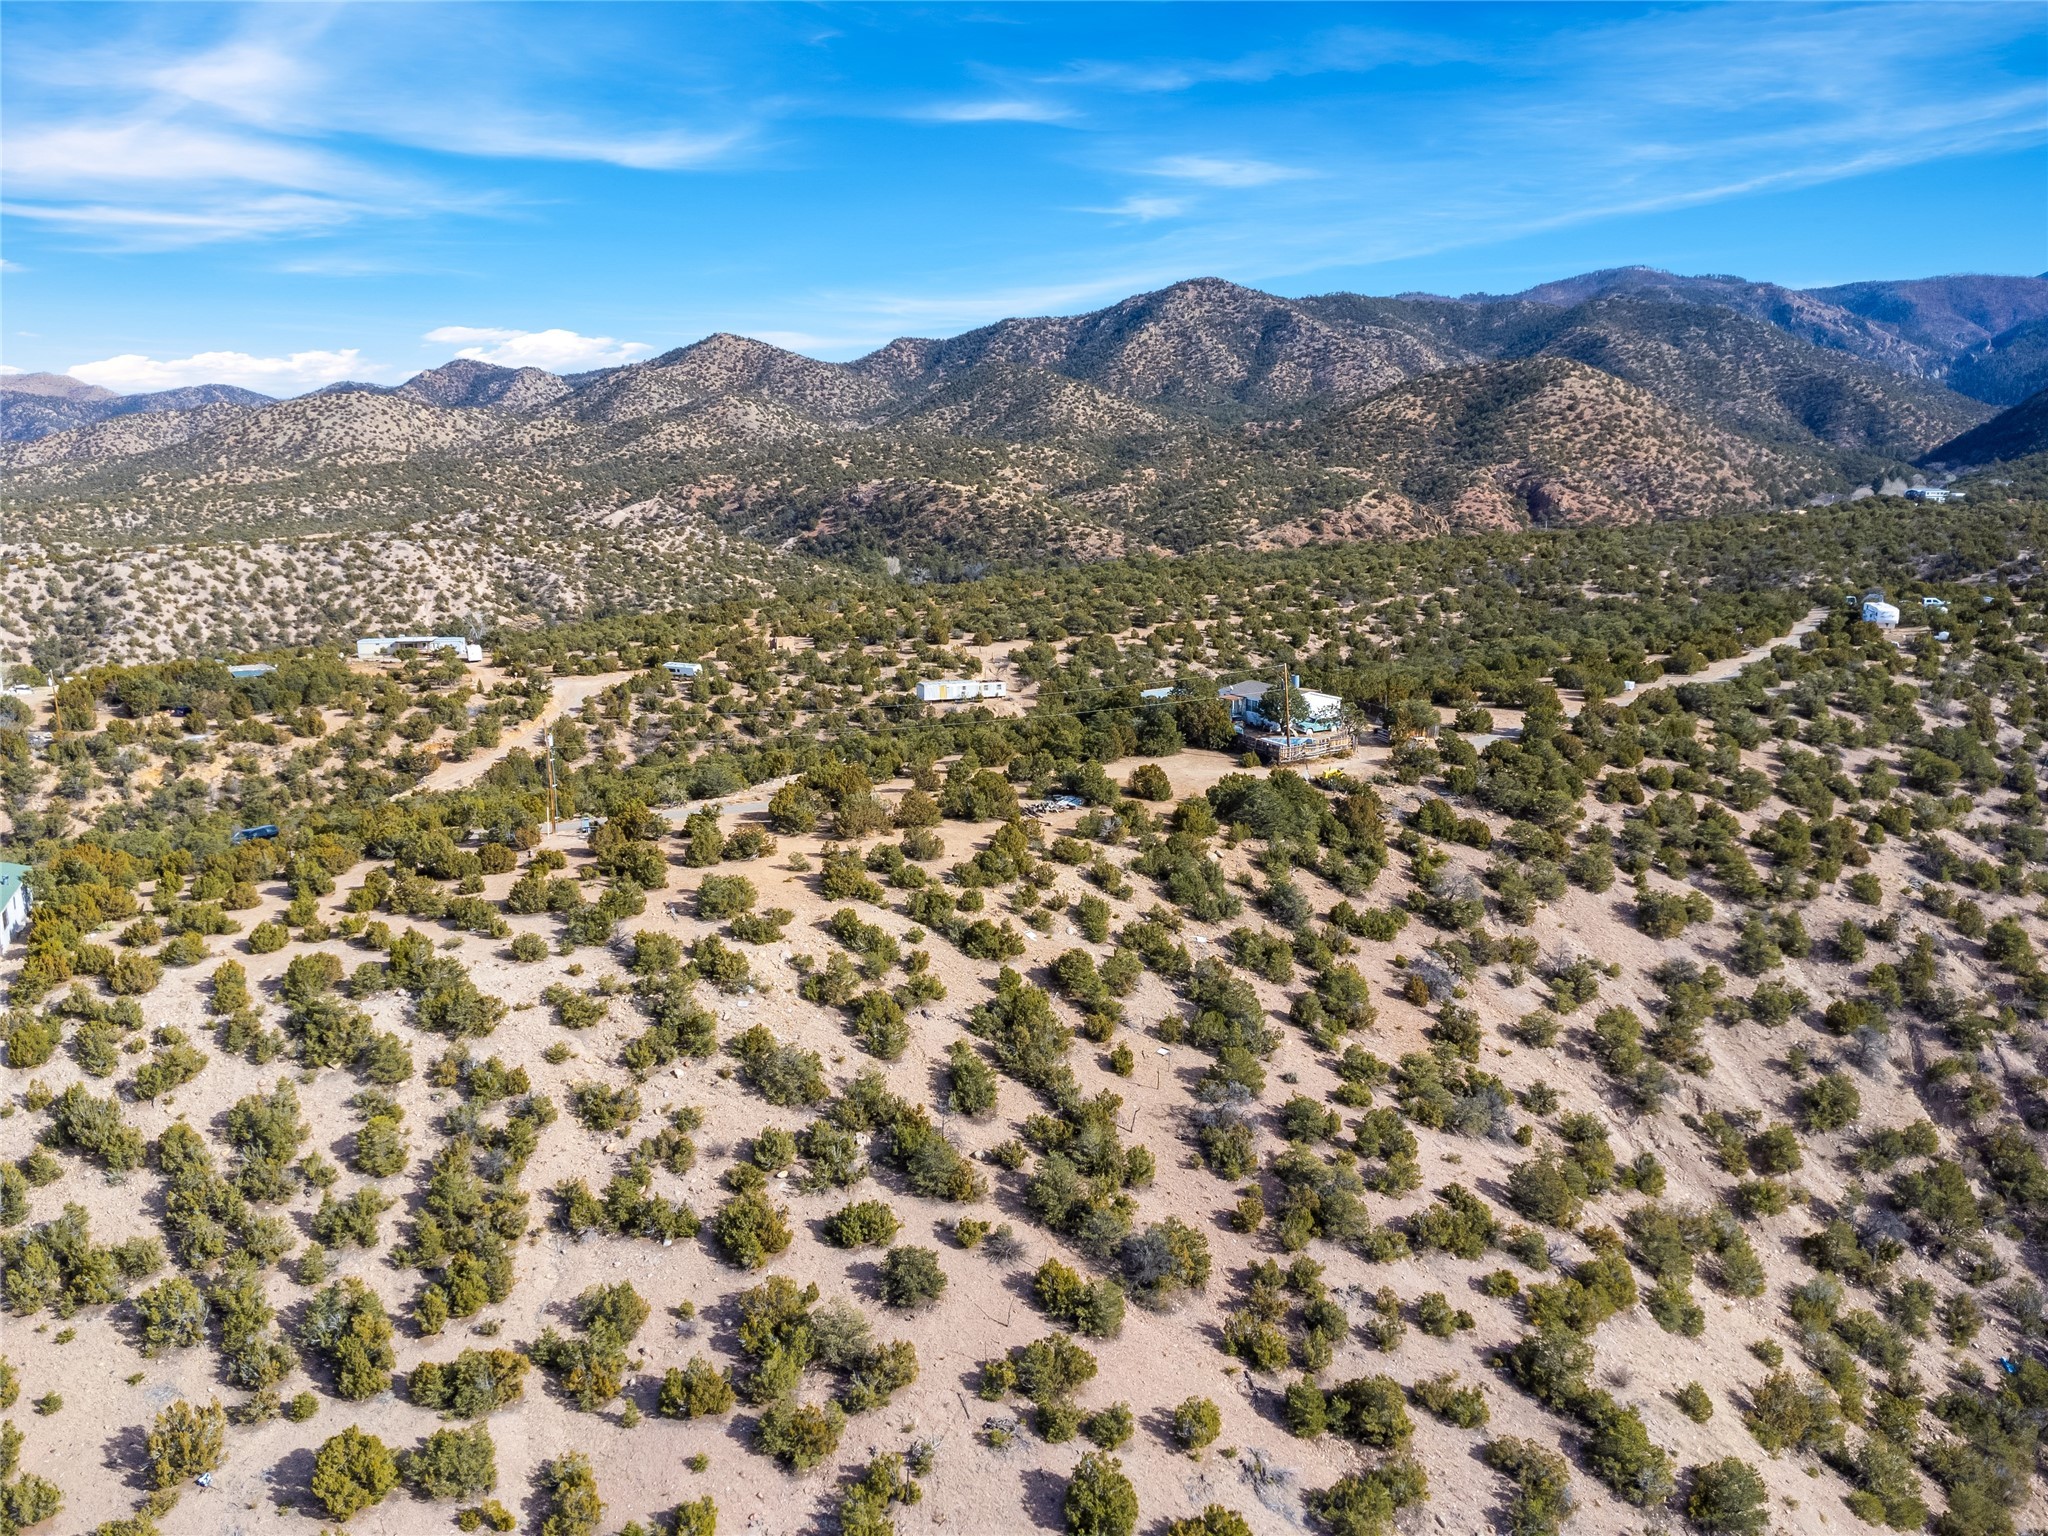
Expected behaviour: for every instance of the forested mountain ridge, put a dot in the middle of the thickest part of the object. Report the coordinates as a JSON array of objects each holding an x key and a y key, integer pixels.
[
  {"x": 2012, "y": 434},
  {"x": 34, "y": 405},
  {"x": 1203, "y": 412},
  {"x": 1916, "y": 326}
]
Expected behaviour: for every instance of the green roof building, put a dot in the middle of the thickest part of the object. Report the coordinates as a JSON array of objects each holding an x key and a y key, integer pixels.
[{"x": 14, "y": 901}]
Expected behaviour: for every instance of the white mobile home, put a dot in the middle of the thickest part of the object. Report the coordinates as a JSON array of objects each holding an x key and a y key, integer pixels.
[
  {"x": 948, "y": 690},
  {"x": 382, "y": 647},
  {"x": 1879, "y": 612},
  {"x": 681, "y": 668}
]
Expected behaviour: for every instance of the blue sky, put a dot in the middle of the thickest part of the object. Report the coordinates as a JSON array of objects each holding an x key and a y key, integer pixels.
[{"x": 283, "y": 195}]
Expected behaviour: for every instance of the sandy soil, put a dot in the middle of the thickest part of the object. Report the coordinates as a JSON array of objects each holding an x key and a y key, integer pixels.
[{"x": 92, "y": 1447}]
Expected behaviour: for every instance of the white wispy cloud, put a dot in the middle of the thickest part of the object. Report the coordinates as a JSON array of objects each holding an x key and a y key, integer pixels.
[
  {"x": 132, "y": 373},
  {"x": 153, "y": 181},
  {"x": 1011, "y": 110},
  {"x": 558, "y": 351},
  {"x": 286, "y": 127},
  {"x": 1226, "y": 171},
  {"x": 129, "y": 226},
  {"x": 1145, "y": 209}
]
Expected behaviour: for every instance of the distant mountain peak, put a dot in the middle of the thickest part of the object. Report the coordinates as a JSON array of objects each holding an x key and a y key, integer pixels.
[
  {"x": 54, "y": 386},
  {"x": 468, "y": 383}
]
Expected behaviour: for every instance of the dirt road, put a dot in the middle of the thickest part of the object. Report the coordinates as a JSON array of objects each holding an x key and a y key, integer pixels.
[
  {"x": 569, "y": 695},
  {"x": 1714, "y": 671}
]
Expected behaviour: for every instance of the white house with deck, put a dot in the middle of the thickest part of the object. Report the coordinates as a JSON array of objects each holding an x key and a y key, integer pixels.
[{"x": 1247, "y": 701}]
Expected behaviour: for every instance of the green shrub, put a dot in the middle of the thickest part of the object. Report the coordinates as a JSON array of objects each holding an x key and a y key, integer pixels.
[
  {"x": 475, "y": 1383},
  {"x": 352, "y": 1222},
  {"x": 1727, "y": 1498},
  {"x": 351, "y": 1472},
  {"x": 1094, "y": 1308},
  {"x": 185, "y": 1441},
  {"x": 1542, "y": 1501},
  {"x": 1435, "y": 1315},
  {"x": 724, "y": 896},
  {"x": 32, "y": 1040},
  {"x": 1619, "y": 1452},
  {"x": 750, "y": 1229},
  {"x": 604, "y": 1109},
  {"x": 697, "y": 1390},
  {"x": 1100, "y": 1500},
  {"x": 1196, "y": 1423},
  {"x": 782, "y": 1074},
  {"x": 1830, "y": 1102},
  {"x": 1110, "y": 1427},
  {"x": 1365, "y": 1503},
  {"x": 911, "y": 1278},
  {"x": 172, "y": 1315},
  {"x": 268, "y": 938},
  {"x": 345, "y": 1325},
  {"x": 452, "y": 1464},
  {"x": 1369, "y": 1410},
  {"x": 863, "y": 1224},
  {"x": 592, "y": 1368},
  {"x": 1305, "y": 1410},
  {"x": 95, "y": 1127},
  {"x": 1788, "y": 1414},
  {"x": 1214, "y": 1520},
  {"x": 30, "y": 1500},
  {"x": 800, "y": 1435},
  {"x": 569, "y": 1493},
  {"x": 1693, "y": 1402},
  {"x": 1464, "y": 1407}
]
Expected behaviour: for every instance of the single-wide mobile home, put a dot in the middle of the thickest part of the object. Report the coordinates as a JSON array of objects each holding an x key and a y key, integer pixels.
[
  {"x": 380, "y": 647},
  {"x": 948, "y": 690}
]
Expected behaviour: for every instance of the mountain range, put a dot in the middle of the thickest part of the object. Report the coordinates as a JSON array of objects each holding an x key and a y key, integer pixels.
[{"x": 1201, "y": 412}]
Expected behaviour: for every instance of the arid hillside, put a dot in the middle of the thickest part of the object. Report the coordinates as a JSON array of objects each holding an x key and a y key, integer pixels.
[{"x": 1603, "y": 1094}]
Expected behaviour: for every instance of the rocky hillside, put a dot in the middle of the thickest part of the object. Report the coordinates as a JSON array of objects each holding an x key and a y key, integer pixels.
[
  {"x": 1201, "y": 413},
  {"x": 1201, "y": 344},
  {"x": 1919, "y": 326},
  {"x": 2011, "y": 434},
  {"x": 1756, "y": 379},
  {"x": 34, "y": 405},
  {"x": 1542, "y": 441},
  {"x": 2007, "y": 368}
]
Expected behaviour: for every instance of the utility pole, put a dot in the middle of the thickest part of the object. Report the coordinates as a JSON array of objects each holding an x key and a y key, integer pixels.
[{"x": 550, "y": 740}]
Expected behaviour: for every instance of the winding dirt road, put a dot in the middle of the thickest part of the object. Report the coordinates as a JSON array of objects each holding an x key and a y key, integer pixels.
[{"x": 569, "y": 695}]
